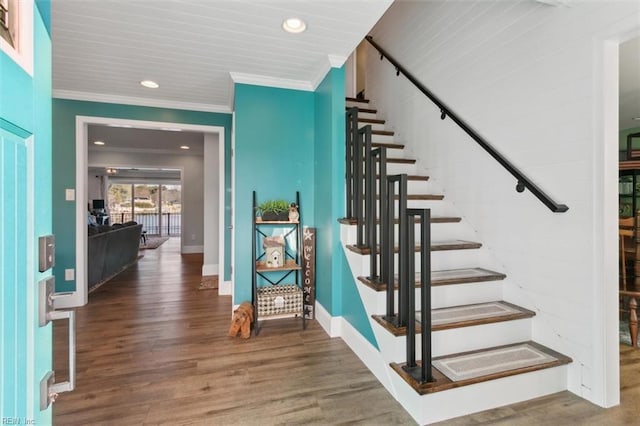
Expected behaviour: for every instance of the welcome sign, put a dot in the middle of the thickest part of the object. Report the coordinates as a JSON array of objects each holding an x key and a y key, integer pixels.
[{"x": 309, "y": 271}]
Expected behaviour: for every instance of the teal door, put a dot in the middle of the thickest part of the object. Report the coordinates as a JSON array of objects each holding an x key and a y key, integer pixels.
[
  {"x": 14, "y": 314},
  {"x": 25, "y": 214}
]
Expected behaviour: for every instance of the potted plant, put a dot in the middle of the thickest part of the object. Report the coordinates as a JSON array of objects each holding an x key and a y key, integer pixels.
[{"x": 274, "y": 210}]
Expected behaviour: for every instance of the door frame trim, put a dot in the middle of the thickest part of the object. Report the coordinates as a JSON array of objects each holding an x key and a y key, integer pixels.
[{"x": 79, "y": 297}]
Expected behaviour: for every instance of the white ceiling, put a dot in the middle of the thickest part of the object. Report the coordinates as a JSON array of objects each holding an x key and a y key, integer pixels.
[
  {"x": 126, "y": 139},
  {"x": 195, "y": 49}
]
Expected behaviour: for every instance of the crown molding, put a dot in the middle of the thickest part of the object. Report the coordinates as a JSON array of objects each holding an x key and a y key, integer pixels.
[
  {"x": 336, "y": 61},
  {"x": 130, "y": 100},
  {"x": 261, "y": 80},
  {"x": 333, "y": 61}
]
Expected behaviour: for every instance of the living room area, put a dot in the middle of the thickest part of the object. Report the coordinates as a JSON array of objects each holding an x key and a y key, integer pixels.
[{"x": 139, "y": 195}]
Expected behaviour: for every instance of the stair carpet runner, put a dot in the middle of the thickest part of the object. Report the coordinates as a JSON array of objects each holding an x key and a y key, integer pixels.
[{"x": 466, "y": 368}]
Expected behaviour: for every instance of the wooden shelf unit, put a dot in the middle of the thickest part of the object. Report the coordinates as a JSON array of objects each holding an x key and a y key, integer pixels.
[{"x": 281, "y": 275}]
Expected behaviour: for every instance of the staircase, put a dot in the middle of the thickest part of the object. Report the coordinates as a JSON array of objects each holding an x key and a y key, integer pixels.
[{"x": 482, "y": 348}]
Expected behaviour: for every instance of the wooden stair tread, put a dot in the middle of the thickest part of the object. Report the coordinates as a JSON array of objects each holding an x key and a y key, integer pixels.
[
  {"x": 418, "y": 197},
  {"x": 444, "y": 277},
  {"x": 477, "y": 314},
  {"x": 413, "y": 178},
  {"x": 364, "y": 101},
  {"x": 382, "y": 132},
  {"x": 434, "y": 219},
  {"x": 387, "y": 145},
  {"x": 371, "y": 120},
  {"x": 401, "y": 160},
  {"x": 435, "y": 246},
  {"x": 363, "y": 110},
  {"x": 442, "y": 382}
]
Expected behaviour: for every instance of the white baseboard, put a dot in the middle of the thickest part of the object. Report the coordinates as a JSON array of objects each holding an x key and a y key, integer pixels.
[
  {"x": 331, "y": 325},
  {"x": 210, "y": 269},
  {"x": 192, "y": 249},
  {"x": 225, "y": 288}
]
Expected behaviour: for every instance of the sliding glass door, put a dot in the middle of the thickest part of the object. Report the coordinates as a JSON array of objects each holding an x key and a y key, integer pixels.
[{"x": 156, "y": 206}]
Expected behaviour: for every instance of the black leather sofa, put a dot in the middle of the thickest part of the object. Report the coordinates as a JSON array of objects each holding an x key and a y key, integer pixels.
[{"x": 111, "y": 250}]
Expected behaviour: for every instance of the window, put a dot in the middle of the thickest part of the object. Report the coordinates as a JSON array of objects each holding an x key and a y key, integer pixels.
[
  {"x": 8, "y": 24},
  {"x": 16, "y": 31},
  {"x": 157, "y": 206}
]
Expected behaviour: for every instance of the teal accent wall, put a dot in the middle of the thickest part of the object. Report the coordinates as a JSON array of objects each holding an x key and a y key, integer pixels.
[
  {"x": 274, "y": 141},
  {"x": 352, "y": 307},
  {"x": 25, "y": 130},
  {"x": 64, "y": 139},
  {"x": 44, "y": 7},
  {"x": 336, "y": 290}
]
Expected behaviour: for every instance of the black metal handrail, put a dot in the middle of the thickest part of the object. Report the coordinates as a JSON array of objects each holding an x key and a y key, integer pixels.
[{"x": 522, "y": 181}]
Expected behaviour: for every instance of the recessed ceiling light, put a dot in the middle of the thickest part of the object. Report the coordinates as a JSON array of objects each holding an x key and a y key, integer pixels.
[
  {"x": 149, "y": 84},
  {"x": 184, "y": 147},
  {"x": 294, "y": 25},
  {"x": 636, "y": 118},
  {"x": 98, "y": 143}
]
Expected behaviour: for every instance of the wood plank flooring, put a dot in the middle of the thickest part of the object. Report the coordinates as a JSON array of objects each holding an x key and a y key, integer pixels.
[{"x": 153, "y": 349}]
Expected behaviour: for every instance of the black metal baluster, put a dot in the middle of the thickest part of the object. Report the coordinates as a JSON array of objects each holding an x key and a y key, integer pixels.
[
  {"x": 351, "y": 135},
  {"x": 425, "y": 292},
  {"x": 388, "y": 252},
  {"x": 410, "y": 290},
  {"x": 404, "y": 252},
  {"x": 382, "y": 211}
]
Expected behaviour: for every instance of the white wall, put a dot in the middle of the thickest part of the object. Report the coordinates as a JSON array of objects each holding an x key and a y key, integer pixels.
[
  {"x": 192, "y": 187},
  {"x": 530, "y": 78},
  {"x": 94, "y": 187},
  {"x": 211, "y": 204}
]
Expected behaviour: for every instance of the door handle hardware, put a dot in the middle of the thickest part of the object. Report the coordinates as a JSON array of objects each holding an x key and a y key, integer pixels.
[{"x": 49, "y": 390}]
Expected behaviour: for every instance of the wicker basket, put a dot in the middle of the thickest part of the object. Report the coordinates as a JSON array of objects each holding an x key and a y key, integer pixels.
[{"x": 279, "y": 299}]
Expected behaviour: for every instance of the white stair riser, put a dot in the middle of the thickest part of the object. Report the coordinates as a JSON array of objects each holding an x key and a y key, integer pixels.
[
  {"x": 460, "y": 339},
  {"x": 439, "y": 232},
  {"x": 462, "y": 294},
  {"x": 440, "y": 260},
  {"x": 374, "y": 126},
  {"x": 397, "y": 169},
  {"x": 436, "y": 206},
  {"x": 384, "y": 139},
  {"x": 442, "y": 296},
  {"x": 431, "y": 408},
  {"x": 367, "y": 114},
  {"x": 352, "y": 103}
]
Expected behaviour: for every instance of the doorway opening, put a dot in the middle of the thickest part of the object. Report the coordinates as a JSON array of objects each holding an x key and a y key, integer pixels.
[{"x": 211, "y": 192}]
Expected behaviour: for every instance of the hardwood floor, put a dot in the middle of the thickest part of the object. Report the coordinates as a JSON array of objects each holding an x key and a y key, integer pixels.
[{"x": 153, "y": 349}]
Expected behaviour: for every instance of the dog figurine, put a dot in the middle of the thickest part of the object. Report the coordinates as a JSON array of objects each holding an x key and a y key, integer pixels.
[
  {"x": 294, "y": 216},
  {"x": 241, "y": 321}
]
